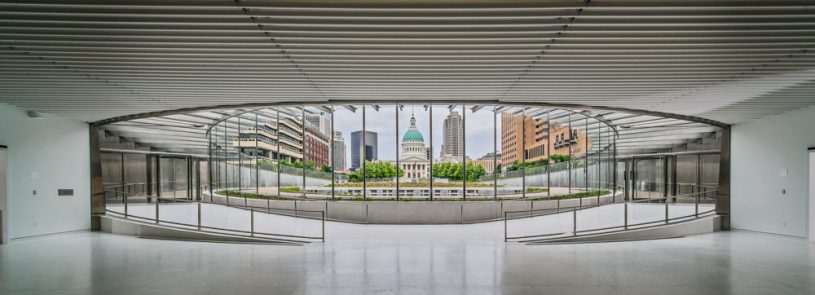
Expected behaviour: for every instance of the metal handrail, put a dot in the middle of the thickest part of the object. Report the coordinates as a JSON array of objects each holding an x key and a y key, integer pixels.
[
  {"x": 625, "y": 226},
  {"x": 199, "y": 227}
]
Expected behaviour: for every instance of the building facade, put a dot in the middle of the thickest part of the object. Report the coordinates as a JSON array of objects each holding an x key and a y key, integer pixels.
[
  {"x": 360, "y": 153},
  {"x": 413, "y": 160},
  {"x": 452, "y": 148},
  {"x": 538, "y": 141},
  {"x": 288, "y": 141},
  {"x": 488, "y": 161},
  {"x": 338, "y": 151}
]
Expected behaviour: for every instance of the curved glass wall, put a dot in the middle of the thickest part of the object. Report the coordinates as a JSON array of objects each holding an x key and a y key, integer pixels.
[{"x": 392, "y": 152}]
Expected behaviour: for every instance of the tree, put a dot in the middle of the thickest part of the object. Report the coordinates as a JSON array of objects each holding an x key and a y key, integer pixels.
[{"x": 376, "y": 169}]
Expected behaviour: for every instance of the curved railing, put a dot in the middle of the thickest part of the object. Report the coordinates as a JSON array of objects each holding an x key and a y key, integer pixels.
[
  {"x": 211, "y": 217},
  {"x": 566, "y": 221}
]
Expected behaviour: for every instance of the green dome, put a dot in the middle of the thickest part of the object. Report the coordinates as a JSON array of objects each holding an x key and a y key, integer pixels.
[{"x": 413, "y": 135}]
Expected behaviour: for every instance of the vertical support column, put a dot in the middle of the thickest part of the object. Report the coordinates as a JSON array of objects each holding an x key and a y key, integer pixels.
[
  {"x": 197, "y": 172},
  {"x": 665, "y": 178},
  {"x": 523, "y": 152},
  {"x": 332, "y": 151},
  {"x": 158, "y": 176},
  {"x": 495, "y": 169},
  {"x": 210, "y": 167},
  {"x": 277, "y": 143},
  {"x": 148, "y": 184},
  {"x": 614, "y": 163},
  {"x": 674, "y": 170},
  {"x": 430, "y": 113},
  {"x": 463, "y": 155},
  {"x": 226, "y": 161},
  {"x": 122, "y": 176},
  {"x": 97, "y": 185},
  {"x": 626, "y": 176},
  {"x": 569, "y": 144},
  {"x": 303, "y": 122},
  {"x": 397, "y": 152},
  {"x": 599, "y": 159},
  {"x": 362, "y": 157},
  {"x": 585, "y": 155},
  {"x": 549, "y": 155},
  {"x": 723, "y": 194},
  {"x": 257, "y": 157},
  {"x": 240, "y": 160}
]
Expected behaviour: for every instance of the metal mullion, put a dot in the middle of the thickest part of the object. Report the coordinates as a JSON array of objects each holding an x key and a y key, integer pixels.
[
  {"x": 257, "y": 157},
  {"x": 432, "y": 151},
  {"x": 331, "y": 152},
  {"x": 397, "y": 152},
  {"x": 523, "y": 152},
  {"x": 277, "y": 142},
  {"x": 495, "y": 152},
  {"x": 464, "y": 152},
  {"x": 363, "y": 155},
  {"x": 549, "y": 155},
  {"x": 303, "y": 145}
]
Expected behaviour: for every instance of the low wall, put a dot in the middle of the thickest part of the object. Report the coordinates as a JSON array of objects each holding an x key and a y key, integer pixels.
[{"x": 413, "y": 212}]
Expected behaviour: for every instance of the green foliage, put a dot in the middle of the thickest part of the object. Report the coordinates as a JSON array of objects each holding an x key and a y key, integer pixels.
[
  {"x": 536, "y": 190},
  {"x": 290, "y": 189},
  {"x": 299, "y": 164},
  {"x": 455, "y": 171},
  {"x": 326, "y": 169},
  {"x": 556, "y": 158},
  {"x": 376, "y": 170}
]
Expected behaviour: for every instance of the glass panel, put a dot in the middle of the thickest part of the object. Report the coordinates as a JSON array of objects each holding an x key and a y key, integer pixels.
[
  {"x": 479, "y": 137},
  {"x": 709, "y": 180},
  {"x": 135, "y": 173},
  {"x": 264, "y": 153},
  {"x": 380, "y": 152},
  {"x": 510, "y": 178},
  {"x": 414, "y": 152},
  {"x": 290, "y": 134},
  {"x": 347, "y": 152},
  {"x": 448, "y": 140},
  {"x": 649, "y": 178},
  {"x": 536, "y": 153},
  {"x": 317, "y": 152}
]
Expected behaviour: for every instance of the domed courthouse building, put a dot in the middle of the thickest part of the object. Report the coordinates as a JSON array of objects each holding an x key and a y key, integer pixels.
[{"x": 413, "y": 159}]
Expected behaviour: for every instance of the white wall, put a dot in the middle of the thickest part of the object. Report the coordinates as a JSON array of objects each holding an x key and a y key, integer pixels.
[
  {"x": 45, "y": 155},
  {"x": 770, "y": 155}
]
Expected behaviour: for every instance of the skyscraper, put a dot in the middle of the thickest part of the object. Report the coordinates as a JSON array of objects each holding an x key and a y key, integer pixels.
[
  {"x": 452, "y": 148},
  {"x": 338, "y": 150},
  {"x": 370, "y": 149},
  {"x": 320, "y": 122}
]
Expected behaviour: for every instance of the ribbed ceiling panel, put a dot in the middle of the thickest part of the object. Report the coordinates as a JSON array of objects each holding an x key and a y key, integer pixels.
[{"x": 93, "y": 60}]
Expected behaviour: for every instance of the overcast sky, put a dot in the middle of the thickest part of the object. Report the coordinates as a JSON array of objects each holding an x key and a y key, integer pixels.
[{"x": 478, "y": 136}]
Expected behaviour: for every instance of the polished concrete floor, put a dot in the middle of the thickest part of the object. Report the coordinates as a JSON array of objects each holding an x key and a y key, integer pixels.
[{"x": 382, "y": 259}]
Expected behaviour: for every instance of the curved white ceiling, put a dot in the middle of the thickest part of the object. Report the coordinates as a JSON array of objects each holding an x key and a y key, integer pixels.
[{"x": 723, "y": 60}]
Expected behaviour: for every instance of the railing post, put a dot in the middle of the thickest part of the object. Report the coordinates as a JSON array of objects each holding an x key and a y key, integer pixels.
[
  {"x": 199, "y": 215},
  {"x": 696, "y": 205},
  {"x": 666, "y": 210},
  {"x": 157, "y": 201},
  {"x": 505, "y": 226},
  {"x": 323, "y": 229},
  {"x": 625, "y": 215},
  {"x": 574, "y": 222},
  {"x": 252, "y": 221}
]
